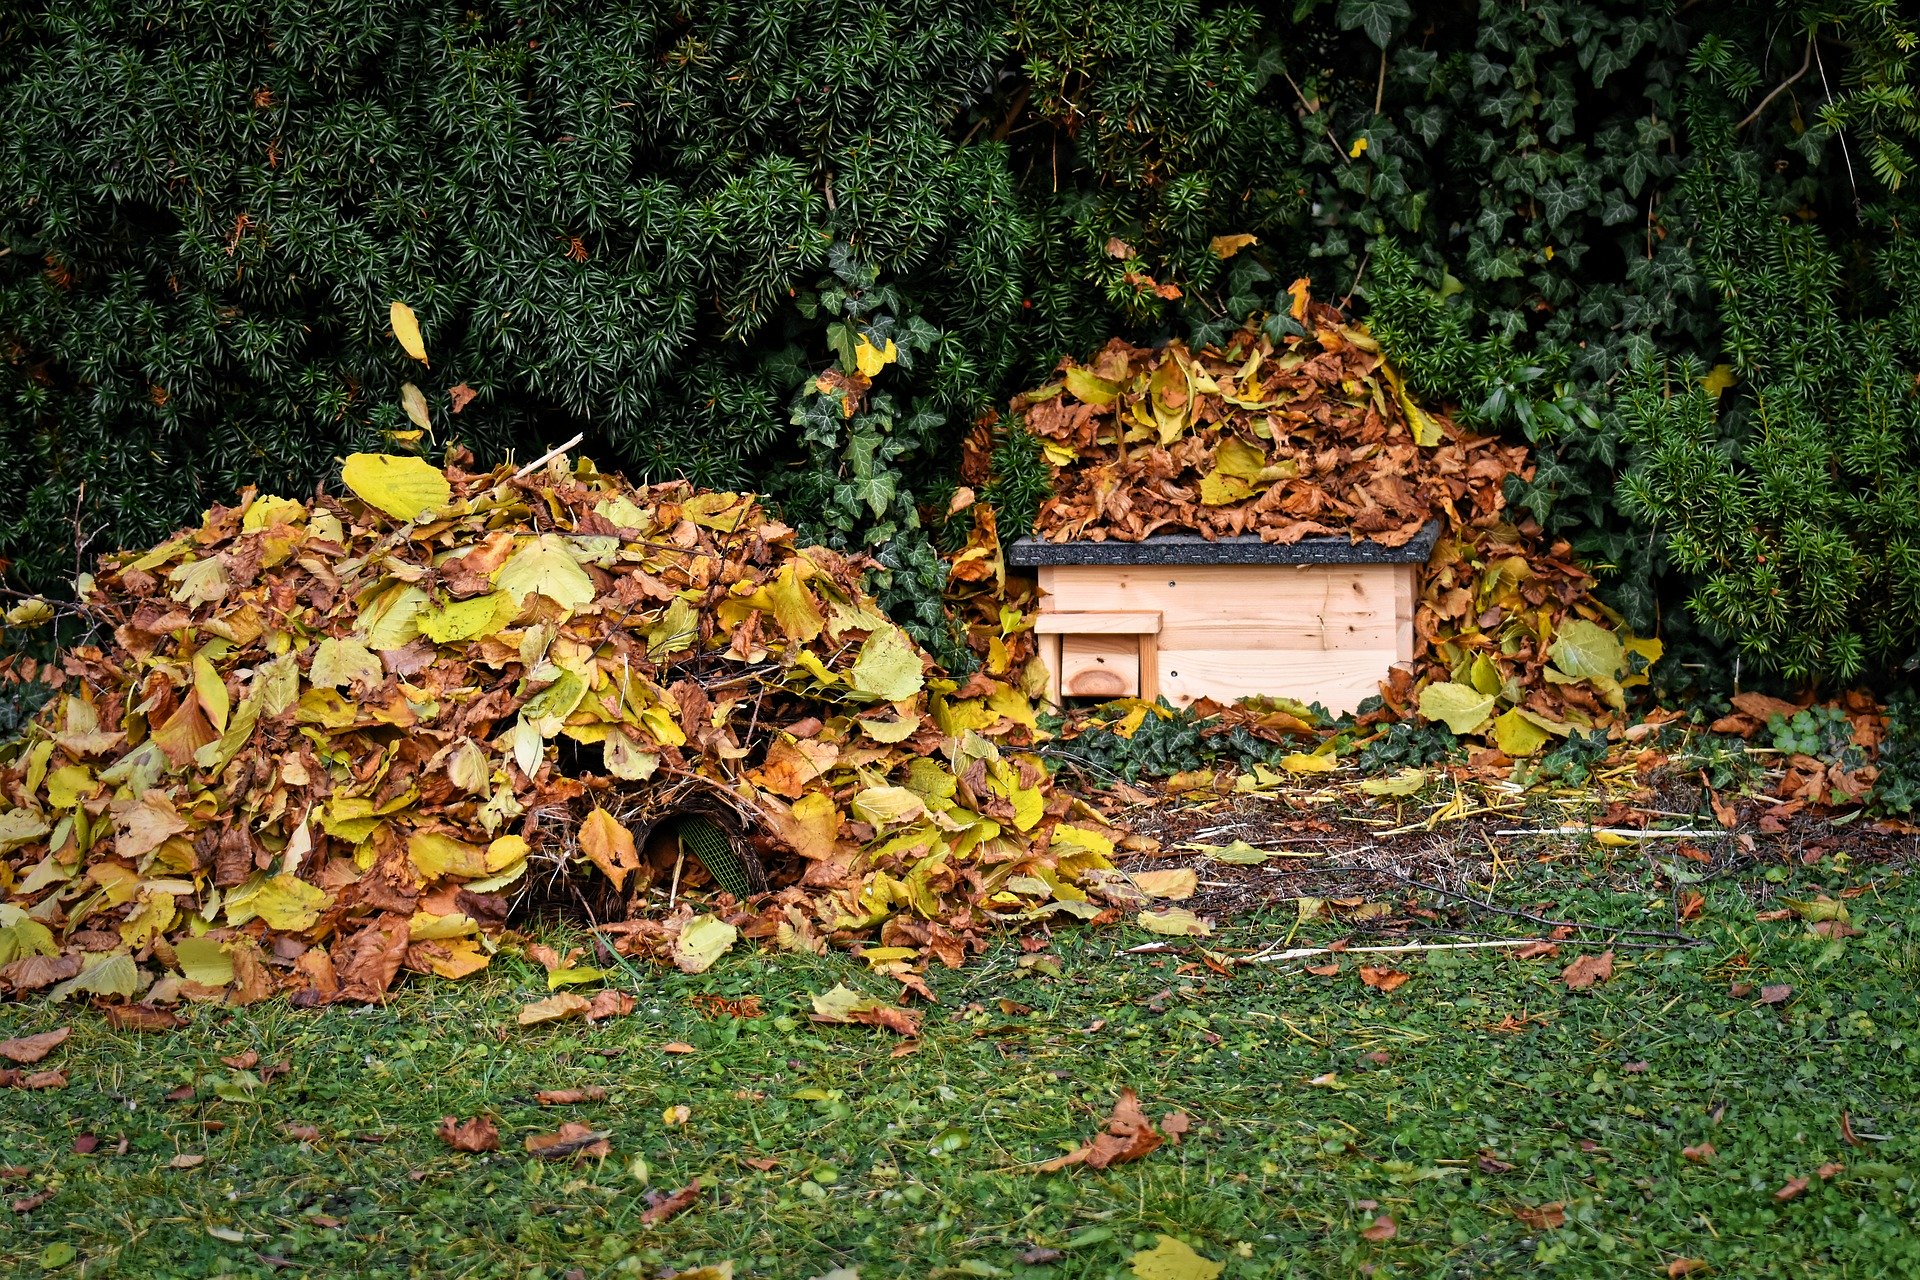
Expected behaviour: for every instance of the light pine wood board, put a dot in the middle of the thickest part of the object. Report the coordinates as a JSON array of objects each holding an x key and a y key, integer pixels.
[
  {"x": 1339, "y": 681},
  {"x": 1263, "y": 607},
  {"x": 1100, "y": 666}
]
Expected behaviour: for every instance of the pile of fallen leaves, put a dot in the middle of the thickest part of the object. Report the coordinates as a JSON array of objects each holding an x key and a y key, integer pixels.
[
  {"x": 324, "y": 741},
  {"x": 1300, "y": 427}
]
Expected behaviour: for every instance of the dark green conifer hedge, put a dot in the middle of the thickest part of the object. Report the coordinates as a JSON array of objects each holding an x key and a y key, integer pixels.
[{"x": 654, "y": 222}]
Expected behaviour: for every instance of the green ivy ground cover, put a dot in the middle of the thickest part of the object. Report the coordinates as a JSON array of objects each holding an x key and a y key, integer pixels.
[{"x": 909, "y": 1166}]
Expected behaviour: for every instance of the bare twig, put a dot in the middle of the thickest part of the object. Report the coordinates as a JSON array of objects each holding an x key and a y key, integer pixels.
[
  {"x": 1805, "y": 64},
  {"x": 547, "y": 457}
]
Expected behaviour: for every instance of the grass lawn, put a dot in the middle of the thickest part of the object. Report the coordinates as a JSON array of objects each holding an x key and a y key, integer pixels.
[{"x": 1459, "y": 1104}]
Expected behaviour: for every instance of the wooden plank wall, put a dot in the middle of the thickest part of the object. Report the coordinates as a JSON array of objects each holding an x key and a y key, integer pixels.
[{"x": 1325, "y": 633}]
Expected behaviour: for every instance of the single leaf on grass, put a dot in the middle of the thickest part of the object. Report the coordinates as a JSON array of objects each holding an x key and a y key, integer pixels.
[
  {"x": 1701, "y": 1154},
  {"x": 406, "y": 330},
  {"x": 1791, "y": 1190},
  {"x": 33, "y": 1048},
  {"x": 1383, "y": 979},
  {"x": 568, "y": 1097},
  {"x": 1776, "y": 993},
  {"x": 573, "y": 1142},
  {"x": 1129, "y": 1135},
  {"x": 845, "y": 1005},
  {"x": 1545, "y": 1217},
  {"x": 1384, "y": 1228},
  {"x": 1584, "y": 972},
  {"x": 1175, "y": 922},
  {"x": 554, "y": 1009},
  {"x": 1172, "y": 1259},
  {"x": 661, "y": 1206},
  {"x": 1462, "y": 708},
  {"x": 404, "y": 488},
  {"x": 1680, "y": 1267},
  {"x": 704, "y": 940},
  {"x": 477, "y": 1134}
]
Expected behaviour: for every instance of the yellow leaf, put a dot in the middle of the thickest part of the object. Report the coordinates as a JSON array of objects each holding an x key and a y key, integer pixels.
[
  {"x": 1175, "y": 922},
  {"x": 1302, "y": 762},
  {"x": 1176, "y": 884},
  {"x": 337, "y": 662},
  {"x": 468, "y": 619},
  {"x": 285, "y": 902},
  {"x": 204, "y": 961},
  {"x": 1088, "y": 387},
  {"x": 1171, "y": 1259},
  {"x": 463, "y": 956},
  {"x": 404, "y": 488},
  {"x": 427, "y": 927},
  {"x": 544, "y": 565},
  {"x": 1518, "y": 736},
  {"x": 888, "y": 667},
  {"x": 1227, "y": 246},
  {"x": 435, "y": 855},
  {"x": 872, "y": 359},
  {"x": 1718, "y": 379},
  {"x": 505, "y": 852},
  {"x": 213, "y": 692},
  {"x": 406, "y": 328},
  {"x": 1358, "y": 149},
  {"x": 414, "y": 401},
  {"x": 609, "y": 846},
  {"x": 554, "y": 1008},
  {"x": 704, "y": 940}
]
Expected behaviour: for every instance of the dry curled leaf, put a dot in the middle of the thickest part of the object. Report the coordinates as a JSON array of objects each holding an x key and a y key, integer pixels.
[
  {"x": 1702, "y": 1153},
  {"x": 28, "y": 1049},
  {"x": 662, "y": 1206},
  {"x": 477, "y": 1134},
  {"x": 572, "y": 1142},
  {"x": 568, "y": 1097},
  {"x": 1792, "y": 1189},
  {"x": 1585, "y": 971},
  {"x": 1384, "y": 1228},
  {"x": 1544, "y": 1217},
  {"x": 1383, "y": 979},
  {"x": 1129, "y": 1135}
]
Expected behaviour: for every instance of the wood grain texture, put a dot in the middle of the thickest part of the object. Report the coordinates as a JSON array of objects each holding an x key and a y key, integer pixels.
[
  {"x": 1100, "y": 666},
  {"x": 1085, "y": 623}
]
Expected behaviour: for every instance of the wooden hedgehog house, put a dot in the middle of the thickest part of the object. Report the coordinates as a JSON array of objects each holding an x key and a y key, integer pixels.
[{"x": 1185, "y": 617}]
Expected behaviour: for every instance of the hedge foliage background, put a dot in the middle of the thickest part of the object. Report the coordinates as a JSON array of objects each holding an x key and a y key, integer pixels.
[{"x": 1672, "y": 245}]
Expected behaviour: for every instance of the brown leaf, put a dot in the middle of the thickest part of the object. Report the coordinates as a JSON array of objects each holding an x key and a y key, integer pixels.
[
  {"x": 1701, "y": 1154},
  {"x": 461, "y": 394},
  {"x": 1827, "y": 1171},
  {"x": 660, "y": 1207},
  {"x": 27, "y": 1204},
  {"x": 1847, "y": 1134},
  {"x": 1129, "y": 1135},
  {"x": 1176, "y": 1125},
  {"x": 555, "y": 1008},
  {"x": 477, "y": 1134},
  {"x": 1383, "y": 979},
  {"x": 567, "y": 1097},
  {"x": 1776, "y": 993},
  {"x": 1324, "y": 970},
  {"x": 1584, "y": 972},
  {"x": 1384, "y": 1228},
  {"x": 301, "y": 1132},
  {"x": 764, "y": 1164},
  {"x": 1692, "y": 904},
  {"x": 186, "y": 1160},
  {"x": 1536, "y": 949},
  {"x": 609, "y": 1004},
  {"x": 574, "y": 1141},
  {"x": 142, "y": 1017},
  {"x": 609, "y": 846},
  {"x": 245, "y": 1060},
  {"x": 1685, "y": 1267},
  {"x": 1491, "y": 1163},
  {"x": 677, "y": 1046},
  {"x": 1793, "y": 1187},
  {"x": 44, "y": 1080},
  {"x": 33, "y": 1048},
  {"x": 1544, "y": 1217}
]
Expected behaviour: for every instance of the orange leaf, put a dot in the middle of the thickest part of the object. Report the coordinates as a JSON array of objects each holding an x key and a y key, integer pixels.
[{"x": 1587, "y": 970}]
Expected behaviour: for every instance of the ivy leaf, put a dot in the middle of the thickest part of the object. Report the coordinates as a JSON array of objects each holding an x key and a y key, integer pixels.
[{"x": 1375, "y": 17}]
